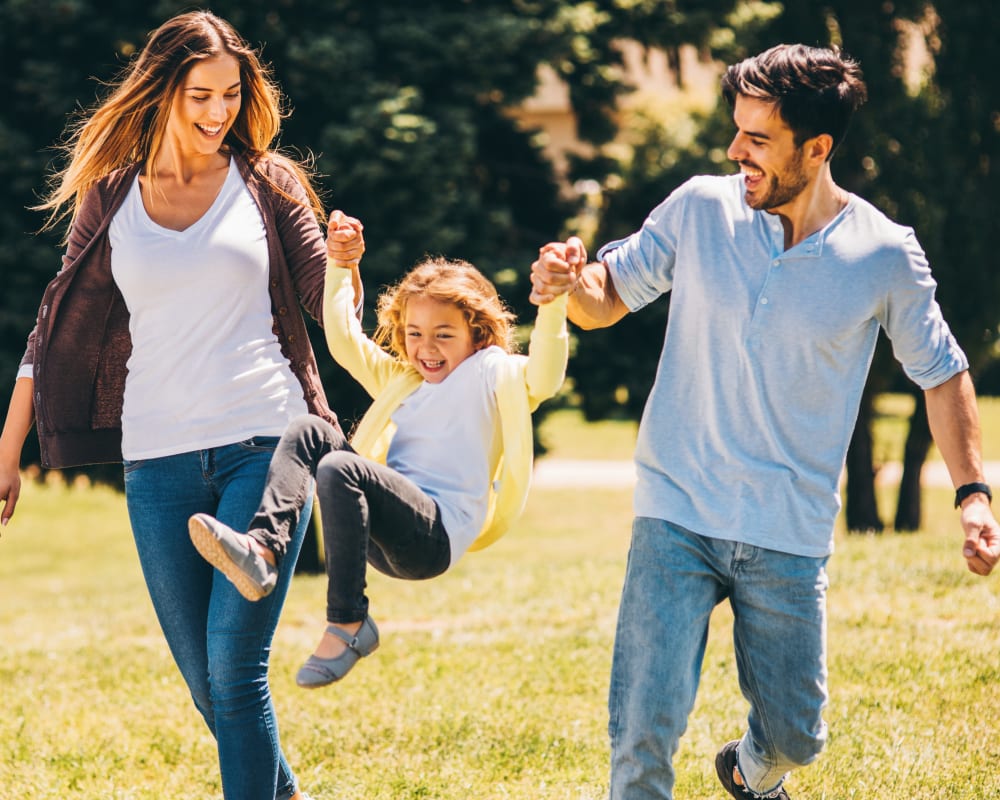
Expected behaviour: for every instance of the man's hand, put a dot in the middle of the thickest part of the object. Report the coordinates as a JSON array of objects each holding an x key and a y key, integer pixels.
[
  {"x": 557, "y": 269},
  {"x": 982, "y": 535}
]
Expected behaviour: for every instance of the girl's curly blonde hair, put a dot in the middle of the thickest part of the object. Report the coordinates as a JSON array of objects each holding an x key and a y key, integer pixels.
[{"x": 447, "y": 281}]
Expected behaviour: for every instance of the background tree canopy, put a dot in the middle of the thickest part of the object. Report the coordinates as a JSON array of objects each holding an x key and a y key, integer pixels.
[{"x": 405, "y": 107}]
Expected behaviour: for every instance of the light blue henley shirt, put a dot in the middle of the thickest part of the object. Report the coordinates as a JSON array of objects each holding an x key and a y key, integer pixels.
[{"x": 766, "y": 352}]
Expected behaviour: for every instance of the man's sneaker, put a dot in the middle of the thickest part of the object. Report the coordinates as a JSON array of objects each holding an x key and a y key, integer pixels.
[
  {"x": 725, "y": 764},
  {"x": 231, "y": 554}
]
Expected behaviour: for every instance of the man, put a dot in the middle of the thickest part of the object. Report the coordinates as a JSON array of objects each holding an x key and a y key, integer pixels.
[{"x": 779, "y": 282}]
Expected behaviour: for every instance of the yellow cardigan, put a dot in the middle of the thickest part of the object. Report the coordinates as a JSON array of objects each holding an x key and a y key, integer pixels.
[{"x": 522, "y": 384}]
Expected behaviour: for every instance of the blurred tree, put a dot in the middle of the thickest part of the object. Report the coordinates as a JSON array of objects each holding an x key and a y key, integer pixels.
[
  {"x": 955, "y": 199},
  {"x": 51, "y": 52},
  {"x": 404, "y": 106}
]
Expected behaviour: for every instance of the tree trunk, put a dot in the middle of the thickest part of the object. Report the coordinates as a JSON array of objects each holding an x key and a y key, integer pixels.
[
  {"x": 918, "y": 443},
  {"x": 861, "y": 506}
]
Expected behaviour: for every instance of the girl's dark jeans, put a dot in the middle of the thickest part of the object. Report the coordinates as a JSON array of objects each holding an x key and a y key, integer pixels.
[{"x": 369, "y": 512}]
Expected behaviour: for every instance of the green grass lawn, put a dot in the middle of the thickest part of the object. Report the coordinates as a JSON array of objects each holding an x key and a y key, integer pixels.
[
  {"x": 491, "y": 681},
  {"x": 565, "y": 436},
  {"x": 892, "y": 415}
]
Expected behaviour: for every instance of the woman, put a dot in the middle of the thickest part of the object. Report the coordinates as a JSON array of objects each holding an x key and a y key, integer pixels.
[{"x": 170, "y": 340}]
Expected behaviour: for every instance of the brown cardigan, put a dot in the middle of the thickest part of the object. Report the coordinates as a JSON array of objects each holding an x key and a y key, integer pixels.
[{"x": 81, "y": 341}]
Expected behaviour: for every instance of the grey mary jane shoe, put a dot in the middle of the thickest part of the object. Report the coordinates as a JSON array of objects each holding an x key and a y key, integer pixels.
[
  {"x": 230, "y": 553},
  {"x": 318, "y": 672}
]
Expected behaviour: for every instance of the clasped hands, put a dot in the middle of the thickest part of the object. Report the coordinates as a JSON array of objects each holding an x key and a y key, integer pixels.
[
  {"x": 557, "y": 269},
  {"x": 345, "y": 241}
]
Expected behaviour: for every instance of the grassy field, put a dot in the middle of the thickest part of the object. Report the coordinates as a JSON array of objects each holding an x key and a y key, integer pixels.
[{"x": 491, "y": 681}]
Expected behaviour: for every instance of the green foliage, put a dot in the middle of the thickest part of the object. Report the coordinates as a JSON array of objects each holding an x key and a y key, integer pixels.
[
  {"x": 403, "y": 105},
  {"x": 613, "y": 369}
]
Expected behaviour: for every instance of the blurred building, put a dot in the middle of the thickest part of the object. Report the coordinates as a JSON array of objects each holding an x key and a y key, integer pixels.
[{"x": 660, "y": 89}]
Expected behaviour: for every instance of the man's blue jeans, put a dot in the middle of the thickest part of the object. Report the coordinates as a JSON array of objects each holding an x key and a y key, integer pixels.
[
  {"x": 674, "y": 580},
  {"x": 220, "y": 641}
]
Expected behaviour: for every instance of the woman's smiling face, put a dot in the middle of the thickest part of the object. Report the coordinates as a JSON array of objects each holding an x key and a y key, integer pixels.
[{"x": 205, "y": 106}]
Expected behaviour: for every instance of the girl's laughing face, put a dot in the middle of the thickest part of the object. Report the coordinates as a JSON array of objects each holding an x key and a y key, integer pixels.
[{"x": 438, "y": 337}]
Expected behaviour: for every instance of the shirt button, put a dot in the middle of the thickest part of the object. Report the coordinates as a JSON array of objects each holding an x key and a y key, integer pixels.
[
  {"x": 763, "y": 301},
  {"x": 282, "y": 311},
  {"x": 776, "y": 263}
]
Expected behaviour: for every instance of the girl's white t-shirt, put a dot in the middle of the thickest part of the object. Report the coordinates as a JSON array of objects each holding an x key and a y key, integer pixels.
[
  {"x": 446, "y": 438},
  {"x": 206, "y": 367}
]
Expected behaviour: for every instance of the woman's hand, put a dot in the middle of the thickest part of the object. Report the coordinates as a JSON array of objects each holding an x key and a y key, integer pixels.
[
  {"x": 345, "y": 241},
  {"x": 20, "y": 416},
  {"x": 10, "y": 490}
]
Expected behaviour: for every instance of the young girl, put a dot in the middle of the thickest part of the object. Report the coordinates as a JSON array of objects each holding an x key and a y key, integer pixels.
[{"x": 440, "y": 464}]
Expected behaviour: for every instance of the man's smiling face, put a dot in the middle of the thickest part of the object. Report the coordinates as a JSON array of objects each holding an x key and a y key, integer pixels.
[{"x": 764, "y": 147}]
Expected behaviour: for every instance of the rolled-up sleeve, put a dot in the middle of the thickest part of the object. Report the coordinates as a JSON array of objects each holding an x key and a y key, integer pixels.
[
  {"x": 921, "y": 340},
  {"x": 642, "y": 265}
]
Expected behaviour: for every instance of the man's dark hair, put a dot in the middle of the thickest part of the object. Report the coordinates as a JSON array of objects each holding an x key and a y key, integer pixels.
[{"x": 815, "y": 90}]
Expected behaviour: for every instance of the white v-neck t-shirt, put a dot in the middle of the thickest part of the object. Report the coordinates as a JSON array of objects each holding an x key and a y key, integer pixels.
[{"x": 206, "y": 368}]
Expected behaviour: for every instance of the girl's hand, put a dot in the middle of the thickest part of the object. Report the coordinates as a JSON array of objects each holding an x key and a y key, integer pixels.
[
  {"x": 345, "y": 241},
  {"x": 557, "y": 269}
]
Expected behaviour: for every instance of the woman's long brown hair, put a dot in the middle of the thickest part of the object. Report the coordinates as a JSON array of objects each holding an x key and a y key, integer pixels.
[{"x": 127, "y": 127}]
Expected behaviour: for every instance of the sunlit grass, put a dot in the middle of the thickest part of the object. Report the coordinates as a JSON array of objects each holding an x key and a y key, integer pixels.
[
  {"x": 566, "y": 436},
  {"x": 892, "y": 419}
]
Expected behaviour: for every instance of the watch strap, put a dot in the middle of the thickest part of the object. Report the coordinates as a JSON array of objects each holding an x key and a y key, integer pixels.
[{"x": 966, "y": 489}]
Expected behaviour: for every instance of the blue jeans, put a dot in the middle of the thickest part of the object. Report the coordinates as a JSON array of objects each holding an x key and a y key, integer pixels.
[
  {"x": 673, "y": 582},
  {"x": 220, "y": 641}
]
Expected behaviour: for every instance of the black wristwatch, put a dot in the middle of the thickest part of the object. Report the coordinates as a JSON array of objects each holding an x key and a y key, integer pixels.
[{"x": 966, "y": 489}]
